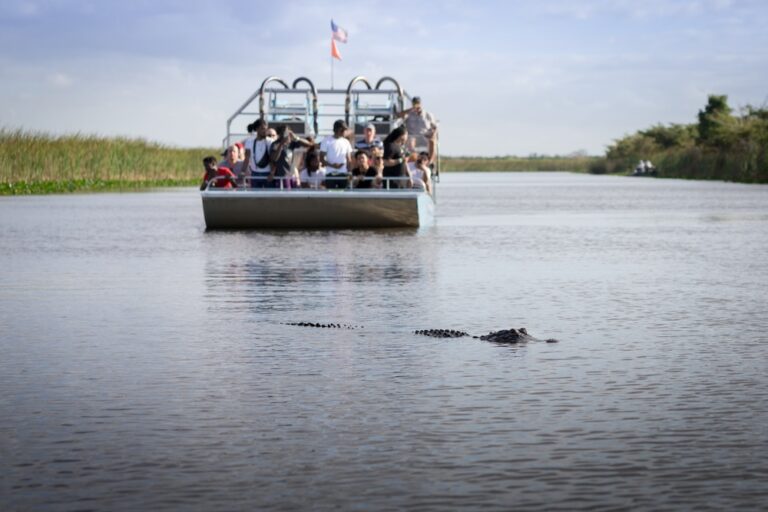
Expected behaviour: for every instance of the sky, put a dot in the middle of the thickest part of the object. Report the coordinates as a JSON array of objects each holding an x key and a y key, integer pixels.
[{"x": 502, "y": 77}]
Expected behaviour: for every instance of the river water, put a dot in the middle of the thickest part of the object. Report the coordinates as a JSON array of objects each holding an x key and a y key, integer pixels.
[{"x": 144, "y": 365}]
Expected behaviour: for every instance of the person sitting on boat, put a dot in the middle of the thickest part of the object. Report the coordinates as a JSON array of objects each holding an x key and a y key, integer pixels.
[
  {"x": 312, "y": 176},
  {"x": 420, "y": 172},
  {"x": 369, "y": 140},
  {"x": 395, "y": 169},
  {"x": 377, "y": 163},
  {"x": 364, "y": 175},
  {"x": 422, "y": 127},
  {"x": 281, "y": 156},
  {"x": 257, "y": 154},
  {"x": 222, "y": 177},
  {"x": 336, "y": 156},
  {"x": 232, "y": 161}
]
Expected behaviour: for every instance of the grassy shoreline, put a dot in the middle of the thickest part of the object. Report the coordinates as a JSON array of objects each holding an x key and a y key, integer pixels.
[
  {"x": 38, "y": 163},
  {"x": 518, "y": 164}
]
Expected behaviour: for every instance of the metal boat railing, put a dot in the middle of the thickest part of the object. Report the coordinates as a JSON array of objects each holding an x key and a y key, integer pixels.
[{"x": 276, "y": 183}]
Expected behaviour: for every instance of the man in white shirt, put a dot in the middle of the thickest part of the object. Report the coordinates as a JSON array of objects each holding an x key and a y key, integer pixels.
[
  {"x": 336, "y": 156},
  {"x": 257, "y": 154}
]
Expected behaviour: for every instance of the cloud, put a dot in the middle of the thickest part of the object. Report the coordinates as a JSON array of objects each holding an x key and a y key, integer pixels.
[
  {"x": 60, "y": 80},
  {"x": 20, "y": 9},
  {"x": 503, "y": 78}
]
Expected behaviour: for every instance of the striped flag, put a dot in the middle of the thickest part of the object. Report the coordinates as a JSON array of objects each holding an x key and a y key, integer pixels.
[
  {"x": 338, "y": 33},
  {"x": 334, "y": 50}
]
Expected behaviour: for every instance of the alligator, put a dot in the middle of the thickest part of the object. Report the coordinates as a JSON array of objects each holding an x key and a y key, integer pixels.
[{"x": 504, "y": 336}]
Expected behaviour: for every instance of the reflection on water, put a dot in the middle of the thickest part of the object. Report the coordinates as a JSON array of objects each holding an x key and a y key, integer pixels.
[{"x": 145, "y": 365}]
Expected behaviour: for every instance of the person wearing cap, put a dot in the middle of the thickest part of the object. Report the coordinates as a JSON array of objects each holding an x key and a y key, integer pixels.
[
  {"x": 336, "y": 156},
  {"x": 232, "y": 161},
  {"x": 369, "y": 140},
  {"x": 422, "y": 127}
]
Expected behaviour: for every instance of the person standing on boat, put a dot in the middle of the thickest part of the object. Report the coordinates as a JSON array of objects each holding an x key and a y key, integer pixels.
[
  {"x": 336, "y": 156},
  {"x": 395, "y": 168},
  {"x": 281, "y": 155},
  {"x": 422, "y": 127},
  {"x": 369, "y": 140},
  {"x": 257, "y": 154},
  {"x": 420, "y": 172},
  {"x": 232, "y": 161}
]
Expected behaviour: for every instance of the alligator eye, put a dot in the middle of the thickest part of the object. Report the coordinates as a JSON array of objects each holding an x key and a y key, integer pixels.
[{"x": 522, "y": 330}]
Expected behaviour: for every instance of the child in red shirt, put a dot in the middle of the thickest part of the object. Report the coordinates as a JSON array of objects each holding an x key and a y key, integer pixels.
[{"x": 222, "y": 176}]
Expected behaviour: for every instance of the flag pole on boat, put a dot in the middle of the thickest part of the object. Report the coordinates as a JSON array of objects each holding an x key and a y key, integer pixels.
[{"x": 337, "y": 34}]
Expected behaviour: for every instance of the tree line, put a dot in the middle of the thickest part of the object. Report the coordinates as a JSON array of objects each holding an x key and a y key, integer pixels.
[{"x": 721, "y": 145}]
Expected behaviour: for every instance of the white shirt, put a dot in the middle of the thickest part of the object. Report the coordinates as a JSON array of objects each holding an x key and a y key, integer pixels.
[
  {"x": 417, "y": 175},
  {"x": 262, "y": 145},
  {"x": 315, "y": 180},
  {"x": 336, "y": 151}
]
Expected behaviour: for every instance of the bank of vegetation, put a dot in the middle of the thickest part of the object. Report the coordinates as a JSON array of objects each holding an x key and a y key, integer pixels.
[
  {"x": 37, "y": 163},
  {"x": 573, "y": 163},
  {"x": 721, "y": 145}
]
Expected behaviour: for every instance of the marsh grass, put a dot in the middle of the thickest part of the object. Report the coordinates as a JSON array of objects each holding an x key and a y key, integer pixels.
[
  {"x": 38, "y": 163},
  {"x": 517, "y": 164}
]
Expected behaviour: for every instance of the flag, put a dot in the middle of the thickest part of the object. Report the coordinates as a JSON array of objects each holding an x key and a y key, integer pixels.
[
  {"x": 335, "y": 51},
  {"x": 338, "y": 33}
]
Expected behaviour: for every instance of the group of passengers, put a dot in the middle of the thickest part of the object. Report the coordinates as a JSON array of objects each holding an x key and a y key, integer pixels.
[{"x": 267, "y": 157}]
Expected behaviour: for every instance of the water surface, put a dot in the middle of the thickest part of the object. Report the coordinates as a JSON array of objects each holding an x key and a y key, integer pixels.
[{"x": 144, "y": 365}]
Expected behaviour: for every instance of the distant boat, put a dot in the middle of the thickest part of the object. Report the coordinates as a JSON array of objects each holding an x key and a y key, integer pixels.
[
  {"x": 644, "y": 168},
  {"x": 389, "y": 206}
]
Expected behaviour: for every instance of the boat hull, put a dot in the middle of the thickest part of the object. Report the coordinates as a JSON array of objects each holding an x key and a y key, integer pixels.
[{"x": 323, "y": 209}]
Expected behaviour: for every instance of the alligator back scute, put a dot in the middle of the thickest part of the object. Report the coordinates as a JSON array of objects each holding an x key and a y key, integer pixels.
[
  {"x": 441, "y": 333},
  {"x": 323, "y": 326}
]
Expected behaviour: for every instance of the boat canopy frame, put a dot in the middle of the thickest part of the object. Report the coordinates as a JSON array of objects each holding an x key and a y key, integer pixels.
[{"x": 307, "y": 106}]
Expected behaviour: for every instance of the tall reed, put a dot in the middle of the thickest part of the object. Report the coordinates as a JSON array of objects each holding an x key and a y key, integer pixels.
[
  {"x": 517, "y": 164},
  {"x": 39, "y": 162}
]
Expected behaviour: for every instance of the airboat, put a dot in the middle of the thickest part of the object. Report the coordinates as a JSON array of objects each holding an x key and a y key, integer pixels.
[{"x": 308, "y": 111}]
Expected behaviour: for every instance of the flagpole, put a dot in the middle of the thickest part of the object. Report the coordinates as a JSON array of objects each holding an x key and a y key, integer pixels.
[{"x": 331, "y": 72}]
